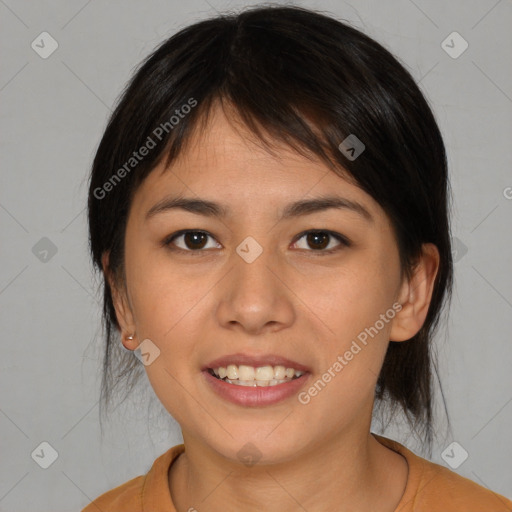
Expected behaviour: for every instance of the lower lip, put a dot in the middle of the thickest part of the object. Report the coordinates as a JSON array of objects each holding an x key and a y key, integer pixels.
[{"x": 255, "y": 396}]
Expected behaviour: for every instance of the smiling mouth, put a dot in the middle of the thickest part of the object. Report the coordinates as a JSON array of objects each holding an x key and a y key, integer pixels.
[{"x": 255, "y": 377}]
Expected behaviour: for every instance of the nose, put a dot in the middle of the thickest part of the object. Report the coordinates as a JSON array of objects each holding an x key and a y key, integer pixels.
[{"x": 255, "y": 297}]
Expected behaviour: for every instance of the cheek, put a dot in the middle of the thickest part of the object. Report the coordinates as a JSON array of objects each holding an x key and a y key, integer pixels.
[
  {"x": 352, "y": 298},
  {"x": 357, "y": 308},
  {"x": 356, "y": 305},
  {"x": 162, "y": 294},
  {"x": 166, "y": 303}
]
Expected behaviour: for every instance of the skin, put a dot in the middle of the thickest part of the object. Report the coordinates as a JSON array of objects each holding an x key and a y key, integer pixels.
[{"x": 291, "y": 301}]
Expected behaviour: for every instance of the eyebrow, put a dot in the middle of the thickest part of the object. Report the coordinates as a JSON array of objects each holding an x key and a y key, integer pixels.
[{"x": 296, "y": 209}]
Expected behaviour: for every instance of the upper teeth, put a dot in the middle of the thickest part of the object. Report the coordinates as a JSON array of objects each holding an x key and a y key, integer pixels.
[{"x": 263, "y": 373}]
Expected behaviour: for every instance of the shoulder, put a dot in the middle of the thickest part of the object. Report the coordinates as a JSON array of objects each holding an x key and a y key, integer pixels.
[
  {"x": 434, "y": 488},
  {"x": 450, "y": 491},
  {"x": 126, "y": 498},
  {"x": 144, "y": 492}
]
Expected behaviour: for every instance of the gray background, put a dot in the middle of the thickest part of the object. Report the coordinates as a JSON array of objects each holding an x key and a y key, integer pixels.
[{"x": 53, "y": 112}]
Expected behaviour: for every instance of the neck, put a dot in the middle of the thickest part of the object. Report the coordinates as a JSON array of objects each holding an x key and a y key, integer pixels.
[{"x": 342, "y": 473}]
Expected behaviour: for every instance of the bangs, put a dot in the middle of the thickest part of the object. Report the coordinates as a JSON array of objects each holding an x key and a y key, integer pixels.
[{"x": 312, "y": 140}]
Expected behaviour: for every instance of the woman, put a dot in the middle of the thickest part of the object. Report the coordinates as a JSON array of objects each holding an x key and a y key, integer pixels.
[{"x": 269, "y": 208}]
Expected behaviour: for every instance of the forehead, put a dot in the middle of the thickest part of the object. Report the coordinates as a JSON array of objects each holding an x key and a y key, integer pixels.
[
  {"x": 226, "y": 148},
  {"x": 226, "y": 163}
]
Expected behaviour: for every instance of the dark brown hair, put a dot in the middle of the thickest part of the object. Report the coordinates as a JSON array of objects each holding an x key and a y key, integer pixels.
[{"x": 308, "y": 80}]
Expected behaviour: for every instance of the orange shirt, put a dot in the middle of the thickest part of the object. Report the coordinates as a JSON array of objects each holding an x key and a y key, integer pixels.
[{"x": 430, "y": 488}]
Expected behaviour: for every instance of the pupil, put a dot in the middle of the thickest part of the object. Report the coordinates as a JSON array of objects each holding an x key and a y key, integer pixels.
[
  {"x": 312, "y": 239},
  {"x": 194, "y": 236}
]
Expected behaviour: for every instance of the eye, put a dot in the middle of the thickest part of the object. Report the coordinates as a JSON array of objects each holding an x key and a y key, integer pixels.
[
  {"x": 319, "y": 240},
  {"x": 194, "y": 240}
]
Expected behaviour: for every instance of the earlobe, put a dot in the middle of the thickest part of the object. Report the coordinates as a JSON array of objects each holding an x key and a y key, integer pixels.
[
  {"x": 123, "y": 311},
  {"x": 415, "y": 295}
]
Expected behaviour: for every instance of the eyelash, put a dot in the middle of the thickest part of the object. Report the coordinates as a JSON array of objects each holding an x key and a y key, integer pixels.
[{"x": 344, "y": 241}]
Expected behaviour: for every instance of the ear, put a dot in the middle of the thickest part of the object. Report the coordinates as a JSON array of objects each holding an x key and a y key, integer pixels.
[
  {"x": 122, "y": 306},
  {"x": 415, "y": 295}
]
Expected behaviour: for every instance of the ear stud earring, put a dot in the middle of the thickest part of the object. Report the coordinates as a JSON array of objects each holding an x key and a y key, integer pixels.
[{"x": 127, "y": 339}]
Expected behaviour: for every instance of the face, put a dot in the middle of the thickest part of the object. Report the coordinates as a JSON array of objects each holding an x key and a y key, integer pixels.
[{"x": 259, "y": 280}]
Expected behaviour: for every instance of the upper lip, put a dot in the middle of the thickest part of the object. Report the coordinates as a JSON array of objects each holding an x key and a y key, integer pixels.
[{"x": 255, "y": 361}]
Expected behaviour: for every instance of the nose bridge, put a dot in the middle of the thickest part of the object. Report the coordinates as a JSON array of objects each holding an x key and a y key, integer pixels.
[
  {"x": 252, "y": 278},
  {"x": 255, "y": 295}
]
